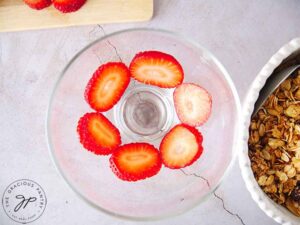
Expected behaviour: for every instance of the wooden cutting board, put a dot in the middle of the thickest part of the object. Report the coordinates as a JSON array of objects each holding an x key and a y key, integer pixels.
[{"x": 15, "y": 15}]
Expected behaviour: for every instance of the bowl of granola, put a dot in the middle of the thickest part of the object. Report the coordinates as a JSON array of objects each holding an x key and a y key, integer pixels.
[{"x": 270, "y": 143}]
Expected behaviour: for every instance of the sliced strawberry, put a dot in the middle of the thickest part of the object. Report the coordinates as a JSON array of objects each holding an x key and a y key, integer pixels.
[
  {"x": 107, "y": 86},
  {"x": 192, "y": 104},
  {"x": 38, "y": 4},
  {"x": 156, "y": 68},
  {"x": 67, "y": 6},
  {"x": 181, "y": 146},
  {"x": 135, "y": 161},
  {"x": 97, "y": 134}
]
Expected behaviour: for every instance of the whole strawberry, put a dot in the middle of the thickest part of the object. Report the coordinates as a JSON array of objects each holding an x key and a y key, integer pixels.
[
  {"x": 38, "y": 4},
  {"x": 67, "y": 6}
]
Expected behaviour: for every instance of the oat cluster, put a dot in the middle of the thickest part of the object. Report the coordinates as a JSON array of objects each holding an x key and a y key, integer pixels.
[{"x": 274, "y": 145}]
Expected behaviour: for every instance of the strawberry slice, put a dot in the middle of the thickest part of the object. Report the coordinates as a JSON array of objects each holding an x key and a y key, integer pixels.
[
  {"x": 38, "y": 4},
  {"x": 97, "y": 134},
  {"x": 192, "y": 104},
  {"x": 156, "y": 68},
  {"x": 67, "y": 6},
  {"x": 107, "y": 86},
  {"x": 181, "y": 147},
  {"x": 135, "y": 161}
]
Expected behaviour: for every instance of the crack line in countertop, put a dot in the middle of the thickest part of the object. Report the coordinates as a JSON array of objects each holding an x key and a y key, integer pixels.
[
  {"x": 231, "y": 213},
  {"x": 196, "y": 175},
  {"x": 92, "y": 32},
  {"x": 215, "y": 194},
  {"x": 114, "y": 47}
]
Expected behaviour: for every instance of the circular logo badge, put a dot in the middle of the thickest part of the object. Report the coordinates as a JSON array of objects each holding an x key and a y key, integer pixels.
[{"x": 24, "y": 201}]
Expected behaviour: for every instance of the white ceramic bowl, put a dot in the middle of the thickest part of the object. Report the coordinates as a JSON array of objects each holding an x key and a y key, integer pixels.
[{"x": 273, "y": 210}]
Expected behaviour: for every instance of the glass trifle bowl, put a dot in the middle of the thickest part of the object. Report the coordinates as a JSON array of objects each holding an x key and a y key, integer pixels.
[{"x": 171, "y": 191}]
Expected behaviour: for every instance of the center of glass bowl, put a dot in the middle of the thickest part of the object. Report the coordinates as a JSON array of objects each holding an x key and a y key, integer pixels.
[{"x": 144, "y": 112}]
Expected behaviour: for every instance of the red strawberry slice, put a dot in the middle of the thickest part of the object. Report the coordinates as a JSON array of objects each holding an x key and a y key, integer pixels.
[
  {"x": 38, "y": 4},
  {"x": 67, "y": 6},
  {"x": 156, "y": 68},
  {"x": 97, "y": 134},
  {"x": 181, "y": 147},
  {"x": 192, "y": 104},
  {"x": 135, "y": 161},
  {"x": 107, "y": 86}
]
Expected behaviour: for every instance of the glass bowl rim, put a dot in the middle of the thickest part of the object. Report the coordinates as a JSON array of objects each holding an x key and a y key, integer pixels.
[{"x": 180, "y": 38}]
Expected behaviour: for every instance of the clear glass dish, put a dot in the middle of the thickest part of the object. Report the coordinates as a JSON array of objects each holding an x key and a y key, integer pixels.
[{"x": 171, "y": 192}]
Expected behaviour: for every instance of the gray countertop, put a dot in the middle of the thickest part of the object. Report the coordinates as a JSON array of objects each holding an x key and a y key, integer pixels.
[{"x": 243, "y": 35}]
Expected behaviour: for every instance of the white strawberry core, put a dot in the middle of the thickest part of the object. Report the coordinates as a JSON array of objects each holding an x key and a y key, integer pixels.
[{"x": 158, "y": 72}]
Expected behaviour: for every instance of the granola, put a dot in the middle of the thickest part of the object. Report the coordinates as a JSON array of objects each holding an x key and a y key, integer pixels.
[{"x": 274, "y": 145}]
